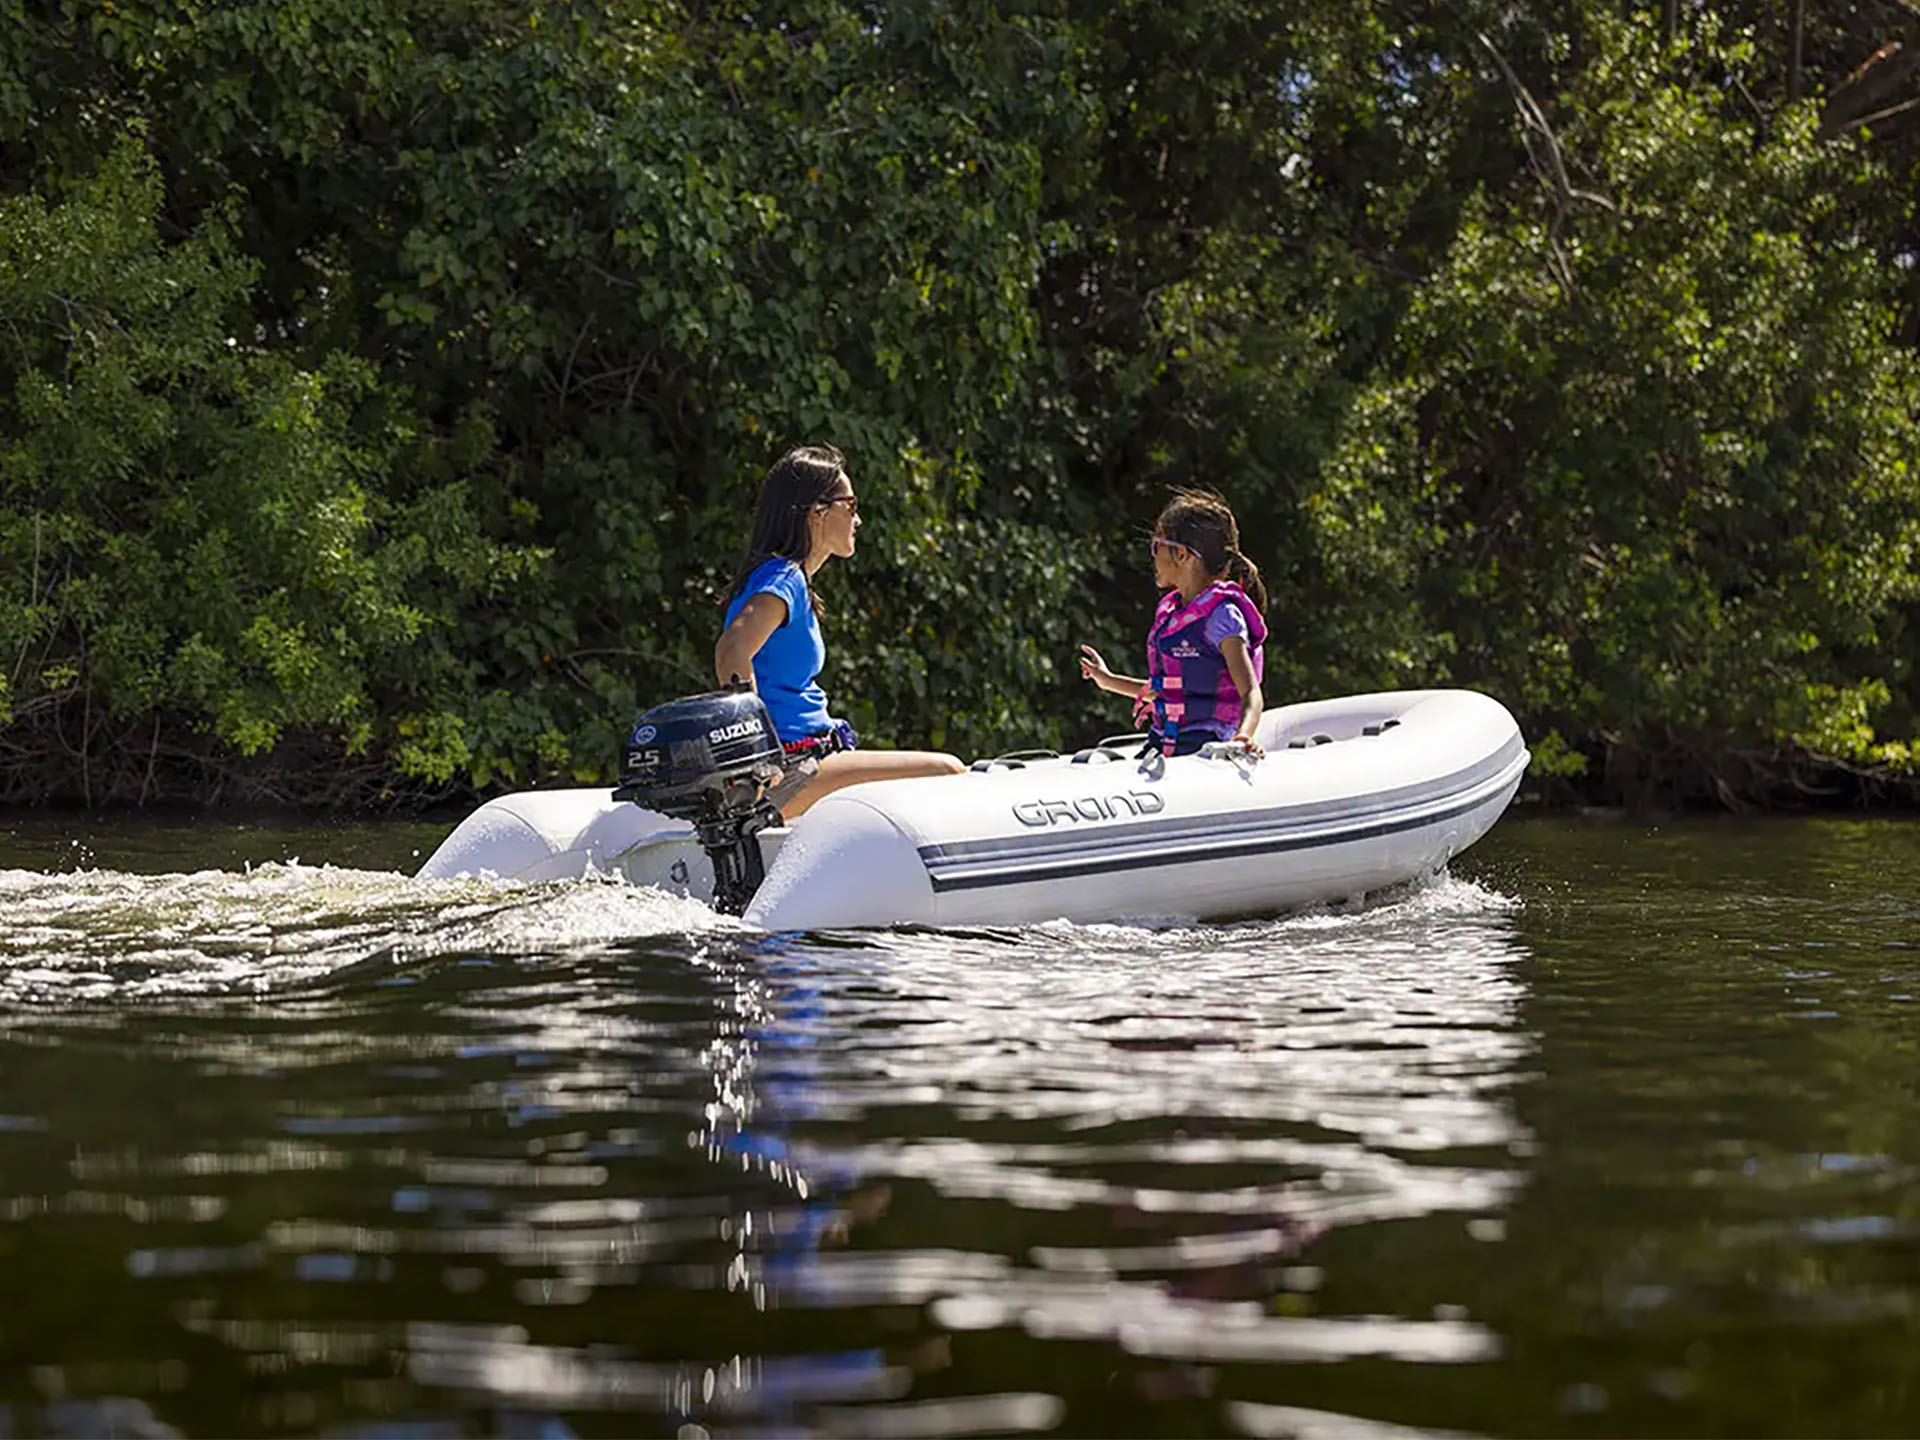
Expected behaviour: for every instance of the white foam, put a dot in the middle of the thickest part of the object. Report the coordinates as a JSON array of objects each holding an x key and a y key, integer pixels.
[{"x": 95, "y": 933}]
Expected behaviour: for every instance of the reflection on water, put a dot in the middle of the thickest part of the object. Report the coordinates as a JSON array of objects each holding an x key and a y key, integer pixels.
[
  {"x": 1612, "y": 1139},
  {"x": 363, "y": 1148}
]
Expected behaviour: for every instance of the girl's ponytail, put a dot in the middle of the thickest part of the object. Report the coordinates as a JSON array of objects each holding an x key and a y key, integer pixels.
[
  {"x": 1202, "y": 521},
  {"x": 1244, "y": 573}
]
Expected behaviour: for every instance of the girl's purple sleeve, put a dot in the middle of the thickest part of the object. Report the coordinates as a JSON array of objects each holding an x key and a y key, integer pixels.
[{"x": 1224, "y": 621}]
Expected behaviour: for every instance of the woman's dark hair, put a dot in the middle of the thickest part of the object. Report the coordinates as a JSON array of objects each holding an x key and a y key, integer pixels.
[
  {"x": 1202, "y": 521},
  {"x": 801, "y": 480}
]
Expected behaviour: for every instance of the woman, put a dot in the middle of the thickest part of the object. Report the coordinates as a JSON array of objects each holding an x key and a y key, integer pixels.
[{"x": 808, "y": 514}]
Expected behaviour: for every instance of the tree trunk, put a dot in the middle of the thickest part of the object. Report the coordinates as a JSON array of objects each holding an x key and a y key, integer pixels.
[{"x": 1796, "y": 24}]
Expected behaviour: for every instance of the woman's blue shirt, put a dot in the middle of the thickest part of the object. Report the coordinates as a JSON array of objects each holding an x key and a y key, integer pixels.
[{"x": 784, "y": 669}]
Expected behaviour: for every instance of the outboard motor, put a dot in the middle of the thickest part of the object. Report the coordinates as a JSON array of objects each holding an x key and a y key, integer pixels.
[{"x": 715, "y": 760}]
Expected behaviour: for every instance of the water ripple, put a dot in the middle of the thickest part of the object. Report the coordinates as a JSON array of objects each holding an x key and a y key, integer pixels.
[{"x": 322, "y": 1119}]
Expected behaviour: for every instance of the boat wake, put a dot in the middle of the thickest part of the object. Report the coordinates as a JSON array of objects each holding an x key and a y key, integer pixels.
[
  {"x": 107, "y": 934},
  {"x": 98, "y": 935}
]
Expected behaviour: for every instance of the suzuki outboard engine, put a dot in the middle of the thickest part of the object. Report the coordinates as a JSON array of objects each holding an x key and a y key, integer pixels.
[{"x": 717, "y": 761}]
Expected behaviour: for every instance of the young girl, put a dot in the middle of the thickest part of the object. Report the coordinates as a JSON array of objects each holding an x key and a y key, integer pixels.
[
  {"x": 808, "y": 514},
  {"x": 1206, "y": 647}
]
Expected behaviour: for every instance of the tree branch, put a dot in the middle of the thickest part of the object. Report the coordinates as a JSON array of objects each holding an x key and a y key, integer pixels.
[{"x": 1862, "y": 96}]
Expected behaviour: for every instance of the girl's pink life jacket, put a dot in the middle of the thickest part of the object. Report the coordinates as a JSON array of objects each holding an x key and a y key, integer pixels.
[{"x": 1188, "y": 677}]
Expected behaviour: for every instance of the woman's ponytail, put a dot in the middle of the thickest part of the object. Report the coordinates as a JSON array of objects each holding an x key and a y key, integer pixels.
[{"x": 800, "y": 481}]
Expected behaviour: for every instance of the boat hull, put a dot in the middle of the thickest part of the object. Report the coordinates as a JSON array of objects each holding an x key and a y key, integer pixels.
[{"x": 1355, "y": 795}]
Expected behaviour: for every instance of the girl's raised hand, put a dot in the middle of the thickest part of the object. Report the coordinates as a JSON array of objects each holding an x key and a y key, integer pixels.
[{"x": 1092, "y": 667}]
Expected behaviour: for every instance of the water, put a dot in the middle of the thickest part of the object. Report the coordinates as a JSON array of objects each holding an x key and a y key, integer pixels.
[{"x": 1610, "y": 1132}]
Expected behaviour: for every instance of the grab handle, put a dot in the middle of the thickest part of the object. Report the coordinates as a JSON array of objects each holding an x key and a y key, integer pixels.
[
  {"x": 1227, "y": 750},
  {"x": 1013, "y": 760}
]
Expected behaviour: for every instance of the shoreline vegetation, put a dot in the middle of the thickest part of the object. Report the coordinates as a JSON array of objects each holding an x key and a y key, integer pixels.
[{"x": 384, "y": 383}]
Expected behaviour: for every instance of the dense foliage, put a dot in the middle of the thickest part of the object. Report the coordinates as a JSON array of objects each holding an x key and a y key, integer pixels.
[{"x": 384, "y": 384}]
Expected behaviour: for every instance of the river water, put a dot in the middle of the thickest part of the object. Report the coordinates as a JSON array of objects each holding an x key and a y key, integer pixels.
[{"x": 1611, "y": 1131}]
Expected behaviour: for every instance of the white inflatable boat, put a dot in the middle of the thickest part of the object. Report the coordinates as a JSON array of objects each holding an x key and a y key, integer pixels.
[{"x": 1354, "y": 795}]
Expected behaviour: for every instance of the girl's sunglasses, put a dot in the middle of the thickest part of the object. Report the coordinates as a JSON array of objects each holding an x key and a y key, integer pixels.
[{"x": 1156, "y": 545}]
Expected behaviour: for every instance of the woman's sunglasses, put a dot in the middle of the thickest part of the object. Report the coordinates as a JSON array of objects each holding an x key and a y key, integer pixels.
[{"x": 851, "y": 502}]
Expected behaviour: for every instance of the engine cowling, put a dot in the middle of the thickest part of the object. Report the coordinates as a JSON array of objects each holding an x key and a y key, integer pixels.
[{"x": 717, "y": 761}]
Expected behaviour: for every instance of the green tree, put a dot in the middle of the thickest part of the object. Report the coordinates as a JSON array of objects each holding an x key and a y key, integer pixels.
[
  {"x": 1644, "y": 454},
  {"x": 393, "y": 424},
  {"x": 195, "y": 528}
]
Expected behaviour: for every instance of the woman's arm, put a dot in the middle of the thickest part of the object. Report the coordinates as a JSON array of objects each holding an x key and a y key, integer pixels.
[
  {"x": 1253, "y": 704},
  {"x": 733, "y": 653}
]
